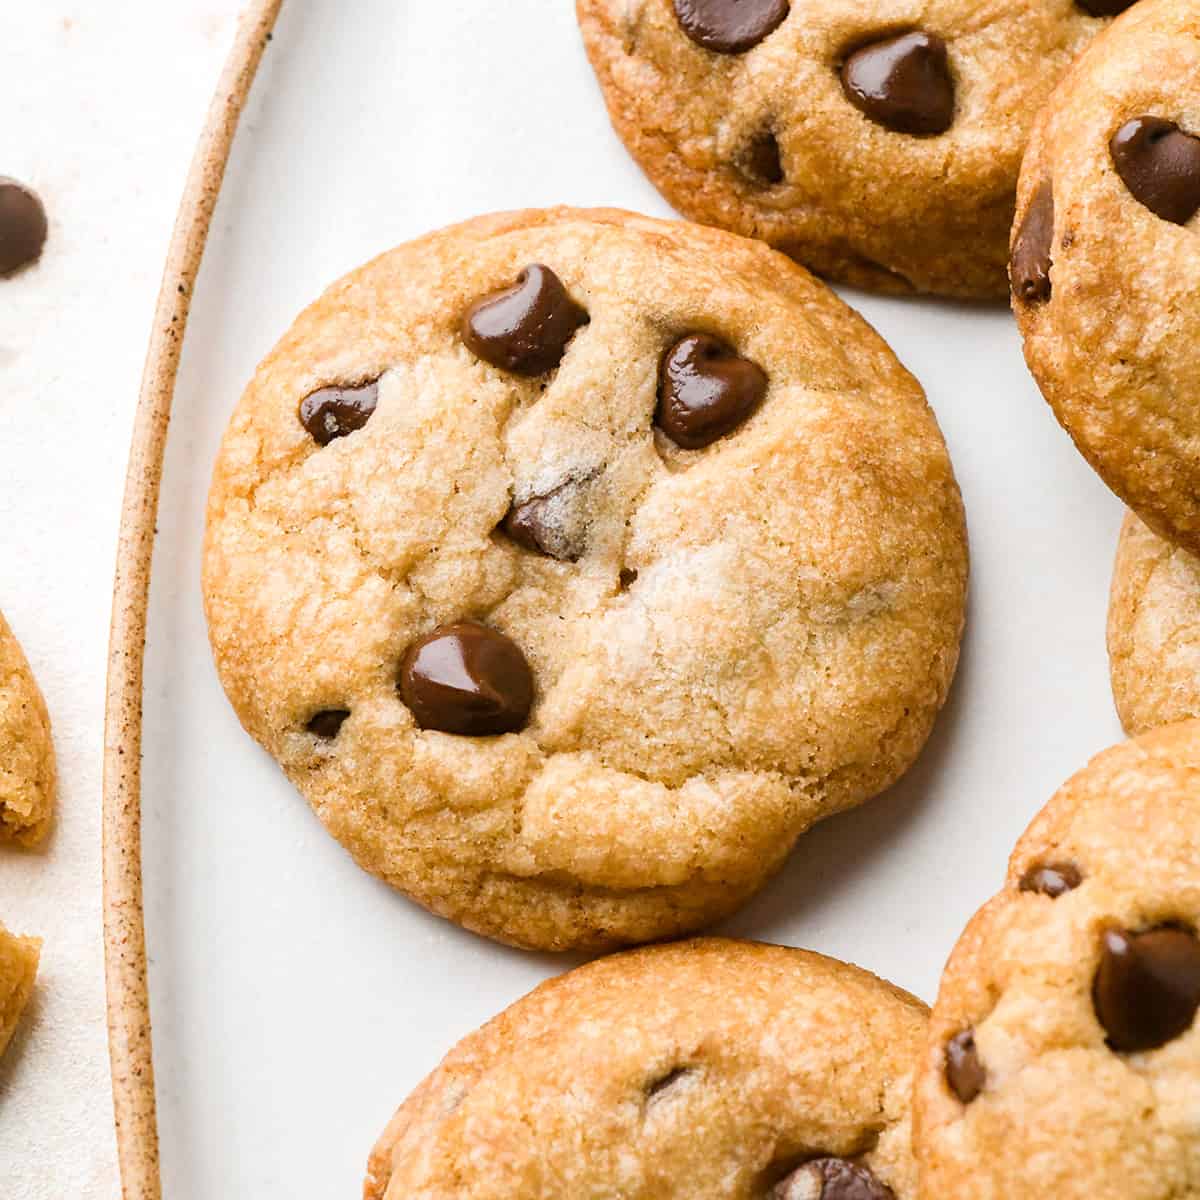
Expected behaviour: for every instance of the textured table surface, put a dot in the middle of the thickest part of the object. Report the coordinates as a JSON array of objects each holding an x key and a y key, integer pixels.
[{"x": 102, "y": 104}]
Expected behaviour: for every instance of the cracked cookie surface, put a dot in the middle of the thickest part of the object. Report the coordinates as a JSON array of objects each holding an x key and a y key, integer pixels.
[
  {"x": 878, "y": 143},
  {"x": 711, "y": 1070},
  {"x": 1154, "y": 630},
  {"x": 27, "y": 773},
  {"x": 532, "y": 662},
  {"x": 1105, "y": 284},
  {"x": 18, "y": 969},
  {"x": 1063, "y": 1056}
]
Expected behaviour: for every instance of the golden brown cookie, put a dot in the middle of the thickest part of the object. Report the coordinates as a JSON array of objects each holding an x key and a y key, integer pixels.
[
  {"x": 27, "y": 776},
  {"x": 18, "y": 967},
  {"x": 711, "y": 1070},
  {"x": 570, "y": 603},
  {"x": 1154, "y": 630},
  {"x": 1064, "y": 1056},
  {"x": 876, "y": 141},
  {"x": 1106, "y": 262}
]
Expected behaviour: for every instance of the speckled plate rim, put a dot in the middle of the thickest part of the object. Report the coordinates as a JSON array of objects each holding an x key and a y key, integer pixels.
[{"x": 129, "y": 1035}]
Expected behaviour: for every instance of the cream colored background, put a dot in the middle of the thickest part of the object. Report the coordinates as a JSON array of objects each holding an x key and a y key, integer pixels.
[{"x": 101, "y": 104}]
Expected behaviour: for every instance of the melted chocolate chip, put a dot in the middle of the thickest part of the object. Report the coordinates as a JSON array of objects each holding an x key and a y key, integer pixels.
[
  {"x": 627, "y": 578},
  {"x": 730, "y": 26},
  {"x": 1053, "y": 880},
  {"x": 336, "y": 412},
  {"x": 965, "y": 1072},
  {"x": 554, "y": 524},
  {"x": 328, "y": 724},
  {"x": 1104, "y": 8},
  {"x": 1160, "y": 165},
  {"x": 902, "y": 83},
  {"x": 705, "y": 390},
  {"x": 1033, "y": 248},
  {"x": 761, "y": 162},
  {"x": 1147, "y": 989},
  {"x": 467, "y": 679},
  {"x": 832, "y": 1179},
  {"x": 655, "y": 1088},
  {"x": 22, "y": 226},
  {"x": 524, "y": 328}
]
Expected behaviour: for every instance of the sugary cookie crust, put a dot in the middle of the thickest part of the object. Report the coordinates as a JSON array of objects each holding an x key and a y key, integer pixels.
[
  {"x": 18, "y": 968},
  {"x": 705, "y": 1070},
  {"x": 1154, "y": 630},
  {"x": 27, "y": 774},
  {"x": 1061, "y": 1114},
  {"x": 1116, "y": 347},
  {"x": 859, "y": 202},
  {"x": 791, "y": 632}
]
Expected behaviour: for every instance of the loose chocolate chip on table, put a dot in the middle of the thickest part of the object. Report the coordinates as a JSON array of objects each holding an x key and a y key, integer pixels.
[
  {"x": 524, "y": 328},
  {"x": 1160, "y": 165},
  {"x": 1147, "y": 989},
  {"x": 730, "y": 26},
  {"x": 902, "y": 83},
  {"x": 22, "y": 226},
  {"x": 965, "y": 1072},
  {"x": 328, "y": 724},
  {"x": 335, "y": 412},
  {"x": 705, "y": 390},
  {"x": 1053, "y": 880},
  {"x": 832, "y": 1179},
  {"x": 467, "y": 679},
  {"x": 761, "y": 161},
  {"x": 1104, "y": 8},
  {"x": 1033, "y": 248}
]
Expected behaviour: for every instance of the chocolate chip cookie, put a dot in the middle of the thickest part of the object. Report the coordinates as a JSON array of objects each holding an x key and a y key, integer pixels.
[
  {"x": 572, "y": 564},
  {"x": 1154, "y": 630},
  {"x": 1106, "y": 261},
  {"x": 1064, "y": 1055},
  {"x": 27, "y": 775},
  {"x": 18, "y": 968},
  {"x": 706, "y": 1069},
  {"x": 876, "y": 141}
]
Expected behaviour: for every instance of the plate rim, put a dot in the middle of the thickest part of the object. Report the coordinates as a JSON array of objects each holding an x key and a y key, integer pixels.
[{"x": 126, "y": 985}]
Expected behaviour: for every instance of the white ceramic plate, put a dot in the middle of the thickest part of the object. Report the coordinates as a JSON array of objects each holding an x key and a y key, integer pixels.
[{"x": 296, "y": 1000}]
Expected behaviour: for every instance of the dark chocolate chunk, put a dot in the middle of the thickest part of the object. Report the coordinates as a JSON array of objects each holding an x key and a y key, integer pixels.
[
  {"x": 467, "y": 679},
  {"x": 902, "y": 83},
  {"x": 705, "y": 390},
  {"x": 524, "y": 328}
]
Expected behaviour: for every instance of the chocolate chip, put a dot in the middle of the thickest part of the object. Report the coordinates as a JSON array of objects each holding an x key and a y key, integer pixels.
[
  {"x": 328, "y": 724},
  {"x": 627, "y": 578},
  {"x": 1053, "y": 880},
  {"x": 22, "y": 226},
  {"x": 656, "y": 1087},
  {"x": 1147, "y": 988},
  {"x": 524, "y": 328},
  {"x": 336, "y": 412},
  {"x": 1160, "y": 165},
  {"x": 555, "y": 523},
  {"x": 832, "y": 1179},
  {"x": 902, "y": 83},
  {"x": 730, "y": 26},
  {"x": 467, "y": 679},
  {"x": 1033, "y": 247},
  {"x": 761, "y": 162},
  {"x": 705, "y": 390},
  {"x": 1104, "y": 8},
  {"x": 965, "y": 1072}
]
